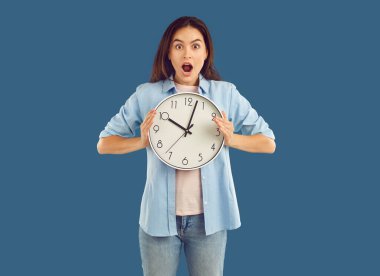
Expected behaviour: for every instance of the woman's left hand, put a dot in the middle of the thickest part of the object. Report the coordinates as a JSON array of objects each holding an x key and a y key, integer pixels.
[{"x": 226, "y": 128}]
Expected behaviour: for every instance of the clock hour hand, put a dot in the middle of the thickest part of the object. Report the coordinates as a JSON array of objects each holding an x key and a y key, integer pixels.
[
  {"x": 178, "y": 125},
  {"x": 191, "y": 118}
]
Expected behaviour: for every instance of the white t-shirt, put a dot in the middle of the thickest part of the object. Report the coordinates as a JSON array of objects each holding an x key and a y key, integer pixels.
[{"x": 188, "y": 196}]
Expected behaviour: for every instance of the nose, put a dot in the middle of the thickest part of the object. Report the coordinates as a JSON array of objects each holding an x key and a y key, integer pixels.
[{"x": 187, "y": 53}]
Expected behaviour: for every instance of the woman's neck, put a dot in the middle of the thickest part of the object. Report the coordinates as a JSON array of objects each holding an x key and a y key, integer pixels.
[{"x": 186, "y": 88}]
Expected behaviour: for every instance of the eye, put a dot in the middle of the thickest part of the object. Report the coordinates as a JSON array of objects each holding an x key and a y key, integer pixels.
[
  {"x": 197, "y": 46},
  {"x": 178, "y": 46}
]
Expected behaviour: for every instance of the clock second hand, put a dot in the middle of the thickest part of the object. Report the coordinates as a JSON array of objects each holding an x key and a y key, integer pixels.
[
  {"x": 175, "y": 142},
  {"x": 179, "y": 138}
]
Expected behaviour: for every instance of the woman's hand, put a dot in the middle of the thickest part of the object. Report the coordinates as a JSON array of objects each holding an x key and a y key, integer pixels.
[
  {"x": 226, "y": 127},
  {"x": 257, "y": 143},
  {"x": 145, "y": 126}
]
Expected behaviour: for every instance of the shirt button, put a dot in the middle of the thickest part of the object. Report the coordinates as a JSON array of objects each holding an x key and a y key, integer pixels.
[
  {"x": 203, "y": 177},
  {"x": 205, "y": 202}
]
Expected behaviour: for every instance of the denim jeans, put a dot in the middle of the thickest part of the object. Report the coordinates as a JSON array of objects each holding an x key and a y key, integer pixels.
[{"x": 204, "y": 254}]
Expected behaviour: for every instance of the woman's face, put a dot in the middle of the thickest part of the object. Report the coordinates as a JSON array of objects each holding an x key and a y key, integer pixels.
[{"x": 187, "y": 54}]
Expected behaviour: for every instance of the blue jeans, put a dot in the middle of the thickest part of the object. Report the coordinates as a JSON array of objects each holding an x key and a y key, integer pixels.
[{"x": 204, "y": 254}]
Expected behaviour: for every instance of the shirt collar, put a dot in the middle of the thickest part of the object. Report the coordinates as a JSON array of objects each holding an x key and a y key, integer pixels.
[{"x": 168, "y": 84}]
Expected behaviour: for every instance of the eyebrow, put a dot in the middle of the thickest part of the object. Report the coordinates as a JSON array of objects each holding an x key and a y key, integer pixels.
[{"x": 190, "y": 42}]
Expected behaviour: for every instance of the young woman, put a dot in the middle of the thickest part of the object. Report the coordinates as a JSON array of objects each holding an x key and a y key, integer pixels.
[{"x": 190, "y": 209}]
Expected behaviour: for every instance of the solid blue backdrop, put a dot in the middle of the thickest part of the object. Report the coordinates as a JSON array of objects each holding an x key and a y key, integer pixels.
[{"x": 311, "y": 69}]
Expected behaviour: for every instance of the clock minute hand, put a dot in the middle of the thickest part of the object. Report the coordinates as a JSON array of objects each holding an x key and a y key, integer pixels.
[
  {"x": 178, "y": 125},
  {"x": 191, "y": 118}
]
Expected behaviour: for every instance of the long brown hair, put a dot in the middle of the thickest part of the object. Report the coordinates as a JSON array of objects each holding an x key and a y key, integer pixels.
[{"x": 163, "y": 68}]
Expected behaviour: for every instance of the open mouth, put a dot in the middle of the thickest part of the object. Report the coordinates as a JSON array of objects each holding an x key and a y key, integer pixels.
[{"x": 187, "y": 67}]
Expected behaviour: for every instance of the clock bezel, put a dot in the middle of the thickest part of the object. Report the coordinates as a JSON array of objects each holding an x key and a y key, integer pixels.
[{"x": 180, "y": 168}]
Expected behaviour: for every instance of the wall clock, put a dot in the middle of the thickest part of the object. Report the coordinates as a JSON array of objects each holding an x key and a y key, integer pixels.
[{"x": 183, "y": 134}]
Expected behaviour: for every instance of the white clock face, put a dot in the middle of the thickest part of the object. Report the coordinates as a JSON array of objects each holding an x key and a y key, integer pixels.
[{"x": 183, "y": 134}]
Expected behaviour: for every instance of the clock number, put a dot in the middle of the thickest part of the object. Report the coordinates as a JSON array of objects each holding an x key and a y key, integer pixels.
[
  {"x": 218, "y": 132},
  {"x": 189, "y": 100},
  {"x": 156, "y": 128},
  {"x": 164, "y": 115},
  {"x": 213, "y": 116},
  {"x": 174, "y": 104},
  {"x": 170, "y": 154},
  {"x": 200, "y": 155},
  {"x": 159, "y": 144},
  {"x": 203, "y": 105},
  {"x": 185, "y": 161},
  {"x": 213, "y": 146}
]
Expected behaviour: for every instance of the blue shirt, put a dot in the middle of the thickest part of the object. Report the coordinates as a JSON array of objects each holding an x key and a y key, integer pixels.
[{"x": 158, "y": 213}]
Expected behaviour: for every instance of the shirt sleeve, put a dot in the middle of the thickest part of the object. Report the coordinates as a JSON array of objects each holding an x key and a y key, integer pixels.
[
  {"x": 127, "y": 122},
  {"x": 245, "y": 119}
]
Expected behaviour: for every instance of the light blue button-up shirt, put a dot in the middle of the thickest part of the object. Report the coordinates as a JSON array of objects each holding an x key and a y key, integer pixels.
[{"x": 158, "y": 213}]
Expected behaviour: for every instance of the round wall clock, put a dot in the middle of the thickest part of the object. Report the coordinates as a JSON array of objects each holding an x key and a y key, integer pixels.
[{"x": 183, "y": 134}]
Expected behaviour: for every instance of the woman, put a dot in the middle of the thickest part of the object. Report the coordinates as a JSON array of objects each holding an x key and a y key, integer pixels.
[{"x": 195, "y": 208}]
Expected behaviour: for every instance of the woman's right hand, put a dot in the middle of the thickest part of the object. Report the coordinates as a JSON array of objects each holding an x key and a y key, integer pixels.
[{"x": 145, "y": 126}]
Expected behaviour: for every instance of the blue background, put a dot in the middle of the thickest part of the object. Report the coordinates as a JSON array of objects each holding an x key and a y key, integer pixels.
[{"x": 311, "y": 69}]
